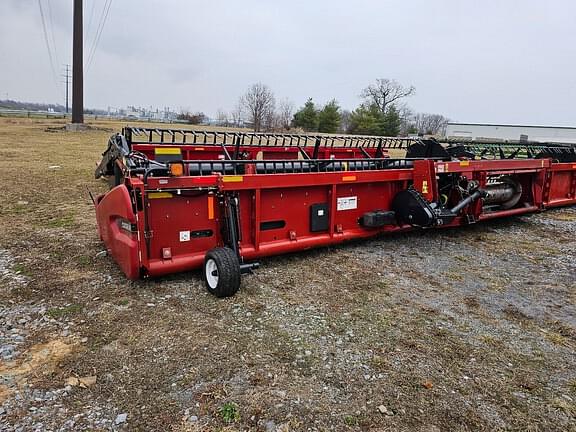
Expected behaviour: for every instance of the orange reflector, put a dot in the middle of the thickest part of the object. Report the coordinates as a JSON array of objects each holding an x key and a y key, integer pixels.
[
  {"x": 349, "y": 178},
  {"x": 210, "y": 207},
  {"x": 176, "y": 169},
  {"x": 464, "y": 163}
]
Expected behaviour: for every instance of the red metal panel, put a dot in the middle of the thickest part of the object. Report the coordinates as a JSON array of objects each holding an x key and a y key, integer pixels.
[
  {"x": 174, "y": 220},
  {"x": 115, "y": 219},
  {"x": 425, "y": 179},
  {"x": 561, "y": 184}
]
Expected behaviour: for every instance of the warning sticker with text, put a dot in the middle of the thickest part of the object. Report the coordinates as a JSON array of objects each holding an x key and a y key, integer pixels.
[{"x": 347, "y": 203}]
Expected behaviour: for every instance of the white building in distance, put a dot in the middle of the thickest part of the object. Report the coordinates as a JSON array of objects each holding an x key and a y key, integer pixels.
[{"x": 496, "y": 132}]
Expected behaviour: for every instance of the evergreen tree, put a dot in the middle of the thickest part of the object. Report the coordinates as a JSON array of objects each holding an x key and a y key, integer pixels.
[
  {"x": 369, "y": 120},
  {"x": 306, "y": 117},
  {"x": 391, "y": 122},
  {"x": 329, "y": 118},
  {"x": 366, "y": 120}
]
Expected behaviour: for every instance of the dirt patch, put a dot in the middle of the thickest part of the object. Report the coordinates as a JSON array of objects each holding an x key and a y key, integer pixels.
[{"x": 40, "y": 359}]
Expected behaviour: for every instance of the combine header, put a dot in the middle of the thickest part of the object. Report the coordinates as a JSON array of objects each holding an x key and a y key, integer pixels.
[{"x": 182, "y": 199}]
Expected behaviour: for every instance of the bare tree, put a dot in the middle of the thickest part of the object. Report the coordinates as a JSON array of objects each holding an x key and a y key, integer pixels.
[
  {"x": 345, "y": 121},
  {"x": 430, "y": 124},
  {"x": 259, "y": 103},
  {"x": 285, "y": 114},
  {"x": 385, "y": 92},
  {"x": 237, "y": 114},
  {"x": 222, "y": 118},
  {"x": 406, "y": 118}
]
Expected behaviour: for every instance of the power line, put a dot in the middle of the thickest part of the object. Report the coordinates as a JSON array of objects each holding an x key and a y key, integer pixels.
[
  {"x": 54, "y": 75},
  {"x": 51, "y": 31},
  {"x": 92, "y": 9},
  {"x": 102, "y": 23},
  {"x": 99, "y": 30}
]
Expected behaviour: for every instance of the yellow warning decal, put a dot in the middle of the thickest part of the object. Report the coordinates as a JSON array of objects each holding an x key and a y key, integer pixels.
[
  {"x": 425, "y": 186},
  {"x": 167, "y": 151},
  {"x": 159, "y": 195},
  {"x": 232, "y": 179},
  {"x": 349, "y": 178},
  {"x": 464, "y": 163}
]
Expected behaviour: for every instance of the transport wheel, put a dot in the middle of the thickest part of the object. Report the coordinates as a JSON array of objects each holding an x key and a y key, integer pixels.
[{"x": 222, "y": 272}]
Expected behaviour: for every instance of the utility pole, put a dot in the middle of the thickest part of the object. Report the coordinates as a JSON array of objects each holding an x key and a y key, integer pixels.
[
  {"x": 77, "y": 66},
  {"x": 67, "y": 82}
]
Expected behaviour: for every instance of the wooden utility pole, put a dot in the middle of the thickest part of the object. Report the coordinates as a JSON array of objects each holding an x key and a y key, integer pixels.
[
  {"x": 67, "y": 82},
  {"x": 77, "y": 66}
]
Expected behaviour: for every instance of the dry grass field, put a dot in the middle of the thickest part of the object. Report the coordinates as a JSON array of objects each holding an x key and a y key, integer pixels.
[{"x": 453, "y": 330}]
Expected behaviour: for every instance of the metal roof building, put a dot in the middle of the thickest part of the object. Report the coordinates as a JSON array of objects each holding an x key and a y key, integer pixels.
[{"x": 480, "y": 131}]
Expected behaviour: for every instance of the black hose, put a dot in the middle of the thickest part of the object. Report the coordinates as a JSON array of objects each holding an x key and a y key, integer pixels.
[{"x": 476, "y": 195}]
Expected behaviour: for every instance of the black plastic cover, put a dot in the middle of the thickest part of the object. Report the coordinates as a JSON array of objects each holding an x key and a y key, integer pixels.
[
  {"x": 378, "y": 218},
  {"x": 319, "y": 220}
]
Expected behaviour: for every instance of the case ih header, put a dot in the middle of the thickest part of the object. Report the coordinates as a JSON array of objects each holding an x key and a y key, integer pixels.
[{"x": 184, "y": 199}]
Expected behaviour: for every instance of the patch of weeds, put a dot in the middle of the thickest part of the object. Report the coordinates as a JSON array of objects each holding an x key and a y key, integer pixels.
[
  {"x": 350, "y": 420},
  {"x": 454, "y": 276},
  {"x": 563, "y": 404},
  {"x": 83, "y": 260},
  {"x": 123, "y": 302},
  {"x": 379, "y": 362},
  {"x": 382, "y": 284},
  {"x": 20, "y": 269},
  {"x": 229, "y": 412},
  {"x": 497, "y": 285},
  {"x": 491, "y": 340},
  {"x": 15, "y": 210},
  {"x": 64, "y": 311},
  {"x": 66, "y": 221},
  {"x": 556, "y": 338}
]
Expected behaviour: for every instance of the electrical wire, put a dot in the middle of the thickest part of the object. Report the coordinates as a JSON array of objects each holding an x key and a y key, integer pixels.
[
  {"x": 99, "y": 31},
  {"x": 92, "y": 10},
  {"x": 51, "y": 31},
  {"x": 48, "y": 48}
]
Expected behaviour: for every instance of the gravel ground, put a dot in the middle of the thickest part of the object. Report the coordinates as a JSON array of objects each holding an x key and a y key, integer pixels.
[{"x": 456, "y": 329}]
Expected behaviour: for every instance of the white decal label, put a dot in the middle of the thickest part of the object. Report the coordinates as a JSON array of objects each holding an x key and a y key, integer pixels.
[
  {"x": 320, "y": 212},
  {"x": 184, "y": 236},
  {"x": 347, "y": 203}
]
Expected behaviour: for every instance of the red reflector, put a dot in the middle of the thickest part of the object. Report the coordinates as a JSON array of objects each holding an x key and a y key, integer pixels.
[{"x": 166, "y": 253}]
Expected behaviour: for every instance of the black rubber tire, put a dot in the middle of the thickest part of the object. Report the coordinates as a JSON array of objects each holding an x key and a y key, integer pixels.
[{"x": 228, "y": 268}]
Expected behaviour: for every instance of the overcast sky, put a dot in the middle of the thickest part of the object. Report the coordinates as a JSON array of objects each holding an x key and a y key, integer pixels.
[{"x": 502, "y": 61}]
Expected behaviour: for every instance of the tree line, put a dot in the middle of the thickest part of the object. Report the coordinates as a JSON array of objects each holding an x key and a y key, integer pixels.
[{"x": 382, "y": 111}]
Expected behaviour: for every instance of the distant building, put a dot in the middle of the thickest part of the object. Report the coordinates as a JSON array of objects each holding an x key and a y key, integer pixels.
[{"x": 478, "y": 131}]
